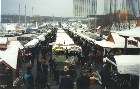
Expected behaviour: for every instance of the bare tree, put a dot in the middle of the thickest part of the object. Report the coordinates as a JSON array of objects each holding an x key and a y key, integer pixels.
[{"x": 38, "y": 18}]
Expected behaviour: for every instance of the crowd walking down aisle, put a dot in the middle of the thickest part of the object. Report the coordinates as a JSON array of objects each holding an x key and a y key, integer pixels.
[
  {"x": 45, "y": 71},
  {"x": 42, "y": 68}
]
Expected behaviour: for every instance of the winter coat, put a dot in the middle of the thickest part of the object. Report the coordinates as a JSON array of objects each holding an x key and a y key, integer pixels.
[
  {"x": 41, "y": 80},
  {"x": 105, "y": 76},
  {"x": 28, "y": 80},
  {"x": 83, "y": 82},
  {"x": 66, "y": 83}
]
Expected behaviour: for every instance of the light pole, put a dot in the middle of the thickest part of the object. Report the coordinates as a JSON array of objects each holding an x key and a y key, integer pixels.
[
  {"x": 25, "y": 17},
  {"x": 19, "y": 15},
  {"x": 95, "y": 11}
]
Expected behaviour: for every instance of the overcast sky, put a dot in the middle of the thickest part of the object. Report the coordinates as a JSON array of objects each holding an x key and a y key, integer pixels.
[{"x": 43, "y": 7}]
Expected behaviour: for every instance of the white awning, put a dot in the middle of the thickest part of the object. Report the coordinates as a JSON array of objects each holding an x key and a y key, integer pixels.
[
  {"x": 32, "y": 43},
  {"x": 41, "y": 37}
]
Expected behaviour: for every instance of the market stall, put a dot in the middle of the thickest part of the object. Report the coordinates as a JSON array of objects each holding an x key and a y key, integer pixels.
[
  {"x": 63, "y": 41},
  {"x": 31, "y": 43},
  {"x": 124, "y": 69},
  {"x": 41, "y": 37},
  {"x": 9, "y": 64}
]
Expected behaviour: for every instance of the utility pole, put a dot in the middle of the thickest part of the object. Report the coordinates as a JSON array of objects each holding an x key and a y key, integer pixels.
[
  {"x": 89, "y": 22},
  {"x": 95, "y": 11},
  {"x": 61, "y": 18},
  {"x": 19, "y": 15},
  {"x": 53, "y": 18},
  {"x": 32, "y": 11},
  {"x": 25, "y": 17}
]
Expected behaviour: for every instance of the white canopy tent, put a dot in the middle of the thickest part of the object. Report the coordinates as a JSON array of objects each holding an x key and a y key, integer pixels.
[
  {"x": 41, "y": 37},
  {"x": 63, "y": 40},
  {"x": 32, "y": 43}
]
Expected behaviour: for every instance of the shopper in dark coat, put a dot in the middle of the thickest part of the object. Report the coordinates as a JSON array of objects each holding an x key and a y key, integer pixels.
[
  {"x": 66, "y": 53},
  {"x": 73, "y": 72},
  {"x": 66, "y": 82},
  {"x": 32, "y": 60},
  {"x": 83, "y": 81},
  {"x": 54, "y": 64},
  {"x": 79, "y": 58},
  {"x": 56, "y": 75},
  {"x": 45, "y": 68},
  {"x": 105, "y": 76},
  {"x": 51, "y": 64},
  {"x": 63, "y": 72},
  {"x": 38, "y": 64},
  {"x": 41, "y": 80}
]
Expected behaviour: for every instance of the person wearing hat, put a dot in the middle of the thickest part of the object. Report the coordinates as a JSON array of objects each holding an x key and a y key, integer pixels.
[
  {"x": 73, "y": 72},
  {"x": 83, "y": 81},
  {"x": 63, "y": 72},
  {"x": 66, "y": 82}
]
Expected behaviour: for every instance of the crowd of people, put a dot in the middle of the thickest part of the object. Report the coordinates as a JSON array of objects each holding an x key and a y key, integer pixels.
[{"x": 67, "y": 77}]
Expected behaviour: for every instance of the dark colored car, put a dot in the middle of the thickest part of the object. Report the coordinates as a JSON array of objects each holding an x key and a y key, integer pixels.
[{"x": 98, "y": 38}]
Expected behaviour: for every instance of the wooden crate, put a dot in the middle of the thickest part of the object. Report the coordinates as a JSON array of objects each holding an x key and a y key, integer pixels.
[{"x": 92, "y": 80}]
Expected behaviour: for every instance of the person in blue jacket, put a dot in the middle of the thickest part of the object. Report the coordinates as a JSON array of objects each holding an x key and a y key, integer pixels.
[
  {"x": 28, "y": 79},
  {"x": 66, "y": 82}
]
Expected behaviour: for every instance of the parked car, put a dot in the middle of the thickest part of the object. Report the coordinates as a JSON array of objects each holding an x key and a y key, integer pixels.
[{"x": 97, "y": 38}]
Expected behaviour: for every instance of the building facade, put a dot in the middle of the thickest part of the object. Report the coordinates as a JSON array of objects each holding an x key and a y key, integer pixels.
[
  {"x": 133, "y": 6},
  {"x": 83, "y": 8}
]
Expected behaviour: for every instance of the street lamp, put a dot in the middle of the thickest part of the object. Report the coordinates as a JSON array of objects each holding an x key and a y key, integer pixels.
[{"x": 95, "y": 11}]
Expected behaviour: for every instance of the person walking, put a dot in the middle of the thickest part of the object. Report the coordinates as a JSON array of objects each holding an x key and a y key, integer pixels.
[
  {"x": 66, "y": 82},
  {"x": 56, "y": 75},
  {"x": 73, "y": 72},
  {"x": 28, "y": 79},
  {"x": 38, "y": 68},
  {"x": 79, "y": 58},
  {"x": 45, "y": 67},
  {"x": 96, "y": 60},
  {"x": 54, "y": 64},
  {"x": 83, "y": 81},
  {"x": 67, "y": 54},
  {"x": 105, "y": 76},
  {"x": 51, "y": 64},
  {"x": 63, "y": 72},
  {"x": 41, "y": 80}
]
